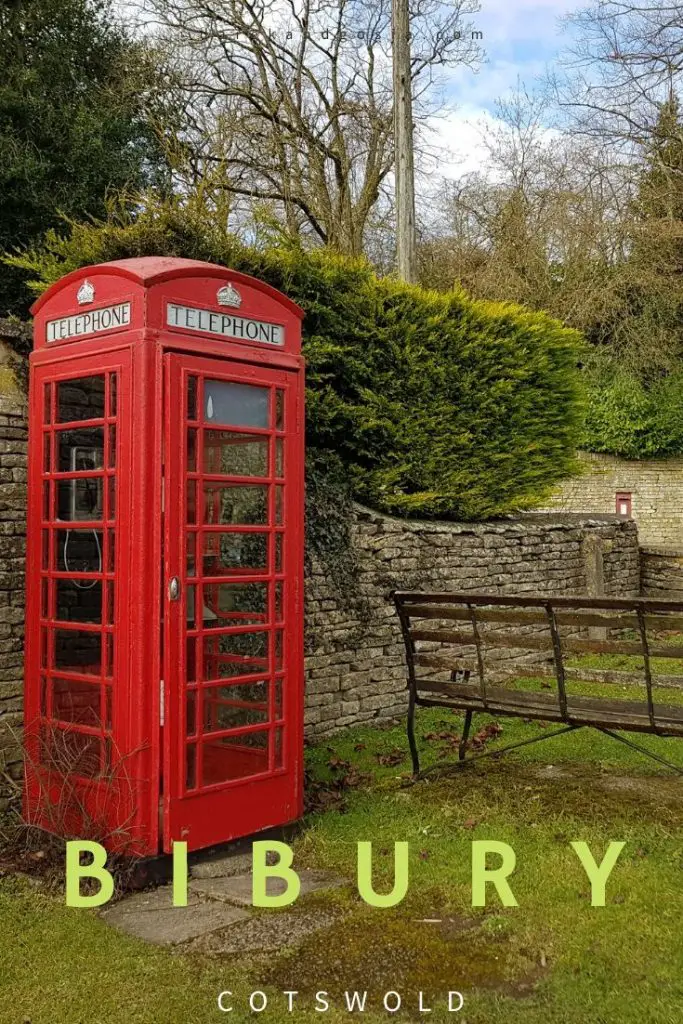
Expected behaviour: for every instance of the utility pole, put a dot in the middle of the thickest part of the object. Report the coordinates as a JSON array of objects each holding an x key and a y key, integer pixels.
[{"x": 403, "y": 142}]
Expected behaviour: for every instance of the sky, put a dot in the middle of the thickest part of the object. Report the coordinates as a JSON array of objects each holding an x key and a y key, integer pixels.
[{"x": 521, "y": 37}]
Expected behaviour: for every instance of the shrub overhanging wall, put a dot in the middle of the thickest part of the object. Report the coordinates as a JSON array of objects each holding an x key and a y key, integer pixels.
[{"x": 436, "y": 405}]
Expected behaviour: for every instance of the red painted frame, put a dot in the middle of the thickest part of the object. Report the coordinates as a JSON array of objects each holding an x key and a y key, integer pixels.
[{"x": 144, "y": 355}]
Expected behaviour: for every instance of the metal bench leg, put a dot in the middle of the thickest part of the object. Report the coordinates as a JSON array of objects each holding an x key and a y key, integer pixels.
[
  {"x": 462, "y": 749},
  {"x": 641, "y": 750},
  {"x": 411, "y": 735}
]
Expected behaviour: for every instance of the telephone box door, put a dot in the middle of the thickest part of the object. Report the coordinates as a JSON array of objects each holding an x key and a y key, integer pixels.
[{"x": 232, "y": 699}]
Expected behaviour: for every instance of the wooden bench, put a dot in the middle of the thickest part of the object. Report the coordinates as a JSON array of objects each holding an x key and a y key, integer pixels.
[{"x": 511, "y": 656}]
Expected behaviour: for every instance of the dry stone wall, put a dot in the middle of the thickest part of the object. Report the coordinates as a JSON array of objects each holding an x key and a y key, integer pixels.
[
  {"x": 355, "y": 668},
  {"x": 13, "y": 438},
  {"x": 656, "y": 486},
  {"x": 661, "y": 573}
]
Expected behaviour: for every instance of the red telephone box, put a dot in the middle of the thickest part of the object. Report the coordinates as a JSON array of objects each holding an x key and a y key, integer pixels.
[{"x": 164, "y": 618}]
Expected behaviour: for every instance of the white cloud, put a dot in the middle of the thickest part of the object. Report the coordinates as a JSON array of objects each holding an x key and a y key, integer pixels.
[{"x": 521, "y": 37}]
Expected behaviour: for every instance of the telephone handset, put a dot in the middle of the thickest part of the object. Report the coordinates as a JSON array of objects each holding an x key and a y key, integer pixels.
[{"x": 85, "y": 498}]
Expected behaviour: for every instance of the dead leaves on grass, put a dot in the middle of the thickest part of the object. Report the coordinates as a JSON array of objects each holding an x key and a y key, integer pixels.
[{"x": 451, "y": 741}]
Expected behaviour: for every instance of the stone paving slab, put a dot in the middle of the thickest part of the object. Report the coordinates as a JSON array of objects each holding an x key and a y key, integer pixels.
[
  {"x": 264, "y": 933},
  {"x": 222, "y": 866},
  {"x": 151, "y": 916},
  {"x": 238, "y": 888}
]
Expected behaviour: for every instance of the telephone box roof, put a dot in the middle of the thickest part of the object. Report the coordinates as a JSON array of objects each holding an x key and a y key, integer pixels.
[{"x": 151, "y": 270}]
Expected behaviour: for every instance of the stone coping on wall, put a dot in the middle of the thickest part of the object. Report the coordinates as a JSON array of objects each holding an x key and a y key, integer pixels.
[{"x": 519, "y": 522}]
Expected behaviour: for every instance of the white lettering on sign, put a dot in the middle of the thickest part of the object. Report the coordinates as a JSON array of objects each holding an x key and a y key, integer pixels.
[
  {"x": 227, "y": 325},
  {"x": 92, "y": 322}
]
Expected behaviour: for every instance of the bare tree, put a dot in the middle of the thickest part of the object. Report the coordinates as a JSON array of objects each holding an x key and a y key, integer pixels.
[
  {"x": 626, "y": 61},
  {"x": 293, "y": 98},
  {"x": 549, "y": 224}
]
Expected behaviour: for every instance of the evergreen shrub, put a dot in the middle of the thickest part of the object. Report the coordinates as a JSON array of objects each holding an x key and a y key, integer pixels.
[{"x": 437, "y": 405}]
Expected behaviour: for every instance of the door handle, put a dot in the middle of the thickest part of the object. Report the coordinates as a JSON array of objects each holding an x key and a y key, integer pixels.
[{"x": 173, "y": 588}]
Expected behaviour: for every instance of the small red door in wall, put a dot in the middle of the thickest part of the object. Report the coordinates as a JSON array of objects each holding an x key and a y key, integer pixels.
[{"x": 232, "y": 692}]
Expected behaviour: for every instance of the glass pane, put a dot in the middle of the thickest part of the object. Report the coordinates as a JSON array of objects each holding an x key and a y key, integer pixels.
[
  {"x": 79, "y": 450},
  {"x": 235, "y": 454},
  {"x": 69, "y": 752},
  {"x": 279, "y": 748},
  {"x": 234, "y": 757},
  {"x": 108, "y": 669},
  {"x": 111, "y": 550},
  {"x": 108, "y": 707},
  {"x": 278, "y": 552},
  {"x": 189, "y": 606},
  {"x": 111, "y": 451},
  {"x": 191, "y": 501},
  {"x": 192, "y": 398},
  {"x": 192, "y": 451},
  {"x": 47, "y": 452},
  {"x": 235, "y": 405},
  {"x": 279, "y": 499},
  {"x": 112, "y": 394},
  {"x": 236, "y": 552},
  {"x": 45, "y": 561},
  {"x": 110, "y": 603},
  {"x": 111, "y": 497},
  {"x": 47, "y": 505},
  {"x": 191, "y": 770},
  {"x": 79, "y": 500},
  {"x": 191, "y": 713},
  {"x": 278, "y": 602},
  {"x": 80, "y": 399},
  {"x": 226, "y": 656},
  {"x": 277, "y": 699},
  {"x": 79, "y": 651},
  {"x": 78, "y": 550},
  {"x": 47, "y": 403},
  {"x": 228, "y": 707},
  {"x": 279, "y": 648},
  {"x": 78, "y": 702},
  {"x": 191, "y": 659},
  {"x": 244, "y": 505},
  {"x": 279, "y": 410},
  {"x": 238, "y": 603},
  {"x": 43, "y": 696},
  {"x": 79, "y": 600},
  {"x": 191, "y": 554},
  {"x": 44, "y": 597},
  {"x": 279, "y": 457}
]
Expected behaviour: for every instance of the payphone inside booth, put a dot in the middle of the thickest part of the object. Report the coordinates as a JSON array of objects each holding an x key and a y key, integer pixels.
[{"x": 164, "y": 621}]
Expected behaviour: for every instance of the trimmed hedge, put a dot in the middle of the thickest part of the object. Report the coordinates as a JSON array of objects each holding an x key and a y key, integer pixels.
[{"x": 435, "y": 404}]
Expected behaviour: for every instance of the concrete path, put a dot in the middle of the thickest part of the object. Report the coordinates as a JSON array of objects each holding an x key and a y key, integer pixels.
[{"x": 219, "y": 893}]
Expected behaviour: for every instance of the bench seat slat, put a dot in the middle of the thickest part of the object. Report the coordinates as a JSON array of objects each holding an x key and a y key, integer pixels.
[{"x": 582, "y": 710}]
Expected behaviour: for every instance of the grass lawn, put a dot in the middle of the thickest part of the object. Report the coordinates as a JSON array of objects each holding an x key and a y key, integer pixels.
[{"x": 552, "y": 960}]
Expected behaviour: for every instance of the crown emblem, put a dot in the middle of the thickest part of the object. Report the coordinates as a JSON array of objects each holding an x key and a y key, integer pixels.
[
  {"x": 86, "y": 293},
  {"x": 229, "y": 296}
]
